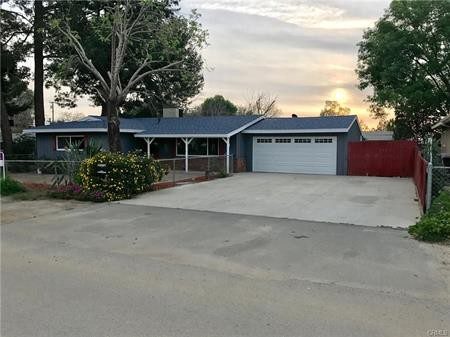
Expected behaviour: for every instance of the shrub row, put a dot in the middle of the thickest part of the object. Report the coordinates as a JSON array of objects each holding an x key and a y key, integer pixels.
[
  {"x": 435, "y": 224},
  {"x": 10, "y": 186}
]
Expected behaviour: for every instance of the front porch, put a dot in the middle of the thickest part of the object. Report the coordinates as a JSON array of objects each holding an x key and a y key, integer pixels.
[{"x": 165, "y": 147}]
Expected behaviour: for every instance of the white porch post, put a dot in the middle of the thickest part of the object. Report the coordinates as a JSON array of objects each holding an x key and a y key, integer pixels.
[
  {"x": 227, "y": 141},
  {"x": 149, "y": 142},
  {"x": 186, "y": 153}
]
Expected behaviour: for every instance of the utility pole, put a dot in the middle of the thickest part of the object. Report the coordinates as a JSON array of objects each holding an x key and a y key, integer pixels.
[{"x": 53, "y": 111}]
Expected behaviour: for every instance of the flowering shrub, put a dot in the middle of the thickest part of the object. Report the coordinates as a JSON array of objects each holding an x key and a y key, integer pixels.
[
  {"x": 75, "y": 191},
  {"x": 119, "y": 176}
]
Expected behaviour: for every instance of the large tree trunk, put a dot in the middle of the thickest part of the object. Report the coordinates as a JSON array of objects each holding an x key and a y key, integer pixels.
[
  {"x": 39, "y": 111},
  {"x": 6, "y": 129},
  {"x": 113, "y": 127},
  {"x": 104, "y": 109}
]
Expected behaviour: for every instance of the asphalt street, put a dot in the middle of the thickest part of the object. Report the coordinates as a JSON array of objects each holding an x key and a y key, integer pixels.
[{"x": 126, "y": 270}]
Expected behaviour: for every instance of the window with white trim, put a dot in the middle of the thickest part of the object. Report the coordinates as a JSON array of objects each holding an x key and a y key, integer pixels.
[
  {"x": 282, "y": 140},
  {"x": 63, "y": 143},
  {"x": 302, "y": 140},
  {"x": 199, "y": 147},
  {"x": 323, "y": 140},
  {"x": 264, "y": 140}
]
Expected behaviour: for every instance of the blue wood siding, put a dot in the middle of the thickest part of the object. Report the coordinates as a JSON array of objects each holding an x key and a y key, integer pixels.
[{"x": 46, "y": 143}]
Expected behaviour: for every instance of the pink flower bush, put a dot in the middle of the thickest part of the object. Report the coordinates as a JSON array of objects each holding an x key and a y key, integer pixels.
[{"x": 75, "y": 191}]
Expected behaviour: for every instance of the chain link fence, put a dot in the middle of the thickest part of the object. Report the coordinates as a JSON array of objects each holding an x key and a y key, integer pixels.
[
  {"x": 178, "y": 170},
  {"x": 440, "y": 179},
  {"x": 41, "y": 171},
  {"x": 438, "y": 175},
  {"x": 196, "y": 168}
]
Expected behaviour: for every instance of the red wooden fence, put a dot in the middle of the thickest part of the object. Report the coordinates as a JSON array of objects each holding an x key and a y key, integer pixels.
[
  {"x": 400, "y": 158},
  {"x": 381, "y": 158}
]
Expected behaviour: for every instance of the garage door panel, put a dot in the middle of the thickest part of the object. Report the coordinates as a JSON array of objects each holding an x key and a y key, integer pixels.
[{"x": 291, "y": 157}]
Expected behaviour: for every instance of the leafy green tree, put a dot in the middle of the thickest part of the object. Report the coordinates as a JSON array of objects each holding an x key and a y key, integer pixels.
[
  {"x": 333, "y": 108},
  {"x": 15, "y": 96},
  {"x": 217, "y": 106},
  {"x": 363, "y": 126},
  {"x": 36, "y": 14},
  {"x": 382, "y": 116},
  {"x": 141, "y": 39},
  {"x": 175, "y": 38},
  {"x": 405, "y": 58}
]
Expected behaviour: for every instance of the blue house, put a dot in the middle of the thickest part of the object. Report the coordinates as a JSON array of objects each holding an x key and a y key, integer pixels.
[{"x": 314, "y": 145}]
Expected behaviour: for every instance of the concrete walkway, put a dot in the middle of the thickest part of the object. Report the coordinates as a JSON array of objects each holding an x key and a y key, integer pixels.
[{"x": 366, "y": 201}]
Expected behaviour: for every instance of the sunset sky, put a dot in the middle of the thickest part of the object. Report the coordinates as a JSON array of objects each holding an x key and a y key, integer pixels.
[{"x": 301, "y": 51}]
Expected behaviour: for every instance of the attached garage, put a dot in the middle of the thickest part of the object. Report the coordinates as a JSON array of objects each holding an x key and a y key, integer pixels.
[
  {"x": 313, "y": 155},
  {"x": 309, "y": 145}
]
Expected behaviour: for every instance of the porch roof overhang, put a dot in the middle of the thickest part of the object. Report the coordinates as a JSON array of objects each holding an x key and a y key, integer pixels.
[{"x": 179, "y": 135}]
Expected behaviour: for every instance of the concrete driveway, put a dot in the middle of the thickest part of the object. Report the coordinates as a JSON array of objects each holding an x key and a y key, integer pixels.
[
  {"x": 366, "y": 201},
  {"x": 123, "y": 270}
]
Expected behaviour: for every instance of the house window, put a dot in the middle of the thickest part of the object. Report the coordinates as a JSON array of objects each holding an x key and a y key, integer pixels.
[
  {"x": 282, "y": 140},
  {"x": 199, "y": 147},
  {"x": 264, "y": 140},
  {"x": 323, "y": 140},
  {"x": 64, "y": 142},
  {"x": 213, "y": 147},
  {"x": 302, "y": 140}
]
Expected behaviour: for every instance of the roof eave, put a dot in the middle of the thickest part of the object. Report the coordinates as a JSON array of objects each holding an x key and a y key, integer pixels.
[
  {"x": 275, "y": 131},
  {"x": 355, "y": 119},
  {"x": 72, "y": 130},
  {"x": 246, "y": 126},
  {"x": 181, "y": 135}
]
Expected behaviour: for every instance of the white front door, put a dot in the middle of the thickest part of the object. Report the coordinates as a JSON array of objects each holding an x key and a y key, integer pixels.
[{"x": 313, "y": 155}]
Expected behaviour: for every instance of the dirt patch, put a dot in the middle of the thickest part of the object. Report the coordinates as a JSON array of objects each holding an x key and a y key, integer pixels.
[
  {"x": 13, "y": 210},
  {"x": 33, "y": 178}
]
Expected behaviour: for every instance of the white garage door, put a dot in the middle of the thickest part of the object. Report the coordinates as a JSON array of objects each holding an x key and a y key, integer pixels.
[{"x": 314, "y": 155}]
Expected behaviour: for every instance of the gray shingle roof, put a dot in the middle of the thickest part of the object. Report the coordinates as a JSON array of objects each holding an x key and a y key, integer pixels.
[
  {"x": 73, "y": 125},
  {"x": 218, "y": 125},
  {"x": 213, "y": 125},
  {"x": 99, "y": 123},
  {"x": 303, "y": 123}
]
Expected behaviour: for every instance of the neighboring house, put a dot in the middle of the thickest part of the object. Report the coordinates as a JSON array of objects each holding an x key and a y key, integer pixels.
[
  {"x": 316, "y": 145},
  {"x": 378, "y": 135},
  {"x": 444, "y": 127}
]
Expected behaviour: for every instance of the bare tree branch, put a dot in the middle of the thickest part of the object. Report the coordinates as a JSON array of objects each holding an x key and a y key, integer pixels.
[
  {"x": 18, "y": 14},
  {"x": 137, "y": 78},
  {"x": 125, "y": 23},
  {"x": 83, "y": 57}
]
